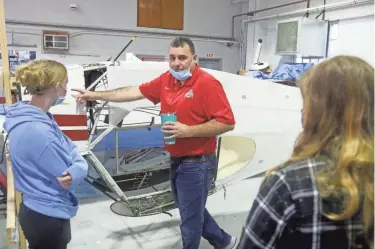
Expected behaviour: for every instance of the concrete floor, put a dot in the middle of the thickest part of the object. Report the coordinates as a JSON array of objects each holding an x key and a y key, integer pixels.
[{"x": 95, "y": 226}]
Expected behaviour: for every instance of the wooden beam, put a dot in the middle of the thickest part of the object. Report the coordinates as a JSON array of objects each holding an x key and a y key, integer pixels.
[
  {"x": 4, "y": 55},
  {"x": 14, "y": 232},
  {"x": 13, "y": 198},
  {"x": 11, "y": 205}
]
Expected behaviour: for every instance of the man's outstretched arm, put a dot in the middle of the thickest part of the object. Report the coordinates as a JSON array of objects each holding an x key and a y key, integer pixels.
[
  {"x": 122, "y": 94},
  {"x": 149, "y": 90}
]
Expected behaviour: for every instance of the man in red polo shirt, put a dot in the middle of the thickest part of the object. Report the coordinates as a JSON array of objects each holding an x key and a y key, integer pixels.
[{"x": 203, "y": 112}]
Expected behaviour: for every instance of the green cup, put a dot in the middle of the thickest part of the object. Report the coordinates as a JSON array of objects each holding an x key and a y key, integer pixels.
[{"x": 168, "y": 117}]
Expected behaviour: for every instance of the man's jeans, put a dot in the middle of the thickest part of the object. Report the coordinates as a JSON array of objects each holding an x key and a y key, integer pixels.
[{"x": 190, "y": 183}]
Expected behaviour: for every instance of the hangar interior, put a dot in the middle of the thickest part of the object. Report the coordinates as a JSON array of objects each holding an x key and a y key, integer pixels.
[{"x": 271, "y": 40}]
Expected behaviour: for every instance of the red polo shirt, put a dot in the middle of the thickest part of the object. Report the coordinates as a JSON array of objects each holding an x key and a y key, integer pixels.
[{"x": 200, "y": 99}]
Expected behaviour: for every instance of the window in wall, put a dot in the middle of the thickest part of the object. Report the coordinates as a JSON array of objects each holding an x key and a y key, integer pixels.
[
  {"x": 164, "y": 14},
  {"x": 55, "y": 40}
]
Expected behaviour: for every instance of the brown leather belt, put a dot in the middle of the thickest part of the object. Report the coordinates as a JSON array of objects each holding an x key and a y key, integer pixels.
[{"x": 194, "y": 159}]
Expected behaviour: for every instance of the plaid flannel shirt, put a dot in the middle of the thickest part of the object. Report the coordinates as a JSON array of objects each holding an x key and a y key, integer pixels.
[{"x": 287, "y": 213}]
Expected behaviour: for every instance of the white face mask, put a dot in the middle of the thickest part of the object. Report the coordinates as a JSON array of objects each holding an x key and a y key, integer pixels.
[{"x": 60, "y": 100}]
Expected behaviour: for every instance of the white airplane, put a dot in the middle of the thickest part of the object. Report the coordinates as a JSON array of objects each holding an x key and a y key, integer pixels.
[{"x": 123, "y": 143}]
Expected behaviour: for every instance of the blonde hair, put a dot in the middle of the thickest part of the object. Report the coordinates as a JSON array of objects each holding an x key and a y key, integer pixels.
[
  {"x": 339, "y": 122},
  {"x": 39, "y": 75}
]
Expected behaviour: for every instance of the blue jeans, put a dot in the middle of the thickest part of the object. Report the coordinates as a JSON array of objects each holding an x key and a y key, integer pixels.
[{"x": 190, "y": 182}]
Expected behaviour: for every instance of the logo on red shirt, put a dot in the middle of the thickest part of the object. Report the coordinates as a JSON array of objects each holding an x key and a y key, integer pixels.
[{"x": 189, "y": 94}]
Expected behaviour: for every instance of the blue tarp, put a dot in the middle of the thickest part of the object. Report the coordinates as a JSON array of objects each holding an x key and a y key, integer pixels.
[
  {"x": 286, "y": 71},
  {"x": 140, "y": 138}
]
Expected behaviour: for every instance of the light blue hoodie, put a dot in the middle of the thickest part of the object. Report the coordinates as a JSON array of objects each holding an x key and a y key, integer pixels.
[{"x": 40, "y": 152}]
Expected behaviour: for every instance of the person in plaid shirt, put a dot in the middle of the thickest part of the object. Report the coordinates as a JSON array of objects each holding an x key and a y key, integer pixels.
[{"x": 323, "y": 196}]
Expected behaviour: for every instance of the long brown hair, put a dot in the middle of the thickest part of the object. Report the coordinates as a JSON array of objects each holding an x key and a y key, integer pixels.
[{"x": 338, "y": 96}]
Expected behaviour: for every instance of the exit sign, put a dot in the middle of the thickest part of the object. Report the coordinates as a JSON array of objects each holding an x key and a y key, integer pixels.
[{"x": 210, "y": 55}]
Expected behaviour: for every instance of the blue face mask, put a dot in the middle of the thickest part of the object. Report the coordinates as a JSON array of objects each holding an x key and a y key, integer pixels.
[
  {"x": 59, "y": 100},
  {"x": 181, "y": 75}
]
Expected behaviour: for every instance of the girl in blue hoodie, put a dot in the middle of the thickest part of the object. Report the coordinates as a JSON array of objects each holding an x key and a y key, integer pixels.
[{"x": 46, "y": 164}]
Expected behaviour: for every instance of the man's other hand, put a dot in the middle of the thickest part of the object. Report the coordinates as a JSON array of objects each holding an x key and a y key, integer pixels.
[
  {"x": 65, "y": 181},
  {"x": 176, "y": 129}
]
